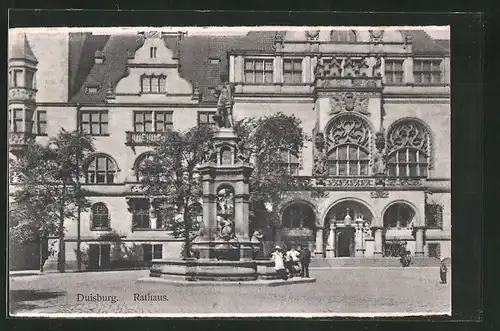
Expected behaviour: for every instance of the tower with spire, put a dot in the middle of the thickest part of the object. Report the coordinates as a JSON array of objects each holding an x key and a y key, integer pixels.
[{"x": 22, "y": 92}]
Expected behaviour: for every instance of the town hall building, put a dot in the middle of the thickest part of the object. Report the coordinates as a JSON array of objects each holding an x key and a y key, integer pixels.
[{"x": 375, "y": 102}]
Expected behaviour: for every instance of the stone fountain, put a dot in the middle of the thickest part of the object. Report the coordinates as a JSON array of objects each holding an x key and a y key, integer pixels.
[{"x": 224, "y": 249}]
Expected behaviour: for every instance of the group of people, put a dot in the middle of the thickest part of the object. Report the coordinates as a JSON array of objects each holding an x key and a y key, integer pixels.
[{"x": 293, "y": 262}]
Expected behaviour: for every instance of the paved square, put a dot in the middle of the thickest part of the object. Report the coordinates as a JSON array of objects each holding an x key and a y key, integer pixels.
[{"x": 344, "y": 290}]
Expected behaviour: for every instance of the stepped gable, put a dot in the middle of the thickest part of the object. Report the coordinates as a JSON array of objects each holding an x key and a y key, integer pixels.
[
  {"x": 20, "y": 48},
  {"x": 195, "y": 60},
  {"x": 423, "y": 44}
]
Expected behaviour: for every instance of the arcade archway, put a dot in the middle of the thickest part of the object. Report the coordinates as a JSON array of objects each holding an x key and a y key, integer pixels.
[{"x": 347, "y": 226}]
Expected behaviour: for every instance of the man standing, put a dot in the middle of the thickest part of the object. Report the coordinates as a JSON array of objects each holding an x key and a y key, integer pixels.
[
  {"x": 292, "y": 259},
  {"x": 442, "y": 272},
  {"x": 305, "y": 259}
]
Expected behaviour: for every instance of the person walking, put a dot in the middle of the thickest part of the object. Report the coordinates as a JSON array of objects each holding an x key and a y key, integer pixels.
[
  {"x": 442, "y": 272},
  {"x": 305, "y": 259},
  {"x": 279, "y": 263}
]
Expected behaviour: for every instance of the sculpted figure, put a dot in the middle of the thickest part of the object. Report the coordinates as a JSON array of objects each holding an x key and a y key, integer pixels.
[
  {"x": 379, "y": 163},
  {"x": 224, "y": 116}
]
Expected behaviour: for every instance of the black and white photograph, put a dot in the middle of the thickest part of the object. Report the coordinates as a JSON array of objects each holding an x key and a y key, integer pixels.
[{"x": 288, "y": 171}]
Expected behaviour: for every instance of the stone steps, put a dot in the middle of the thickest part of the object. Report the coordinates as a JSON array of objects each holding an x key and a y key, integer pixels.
[{"x": 368, "y": 262}]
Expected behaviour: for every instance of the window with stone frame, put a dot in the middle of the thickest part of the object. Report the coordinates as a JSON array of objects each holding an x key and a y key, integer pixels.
[
  {"x": 290, "y": 161},
  {"x": 206, "y": 118},
  {"x": 16, "y": 120},
  {"x": 408, "y": 144},
  {"x": 94, "y": 122},
  {"x": 16, "y": 78},
  {"x": 348, "y": 140},
  {"x": 259, "y": 71},
  {"x": 141, "y": 218},
  {"x": 139, "y": 164},
  {"x": 427, "y": 72},
  {"x": 40, "y": 127},
  {"x": 101, "y": 169},
  {"x": 153, "y": 121},
  {"x": 393, "y": 71},
  {"x": 153, "y": 84},
  {"x": 434, "y": 250},
  {"x": 100, "y": 217},
  {"x": 292, "y": 71},
  {"x": 434, "y": 215},
  {"x": 399, "y": 216},
  {"x": 152, "y": 251}
]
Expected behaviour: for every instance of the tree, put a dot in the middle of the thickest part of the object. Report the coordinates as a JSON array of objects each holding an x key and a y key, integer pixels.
[
  {"x": 48, "y": 185},
  {"x": 171, "y": 176},
  {"x": 268, "y": 140}
]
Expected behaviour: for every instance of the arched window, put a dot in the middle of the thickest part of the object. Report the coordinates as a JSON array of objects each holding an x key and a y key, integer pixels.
[
  {"x": 348, "y": 143},
  {"x": 343, "y": 36},
  {"x": 100, "y": 170},
  {"x": 408, "y": 144},
  {"x": 399, "y": 216},
  {"x": 100, "y": 216},
  {"x": 298, "y": 215},
  {"x": 139, "y": 164}
]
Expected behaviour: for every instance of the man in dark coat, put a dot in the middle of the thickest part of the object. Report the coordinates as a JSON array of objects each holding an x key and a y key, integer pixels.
[
  {"x": 305, "y": 259},
  {"x": 442, "y": 272}
]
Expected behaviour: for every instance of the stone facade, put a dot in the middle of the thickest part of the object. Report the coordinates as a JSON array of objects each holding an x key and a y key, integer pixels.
[{"x": 348, "y": 91}]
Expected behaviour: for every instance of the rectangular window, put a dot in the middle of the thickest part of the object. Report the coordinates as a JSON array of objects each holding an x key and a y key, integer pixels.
[
  {"x": 17, "y": 126},
  {"x": 153, "y": 121},
  {"x": 434, "y": 215},
  {"x": 153, "y": 84},
  {"x": 292, "y": 71},
  {"x": 206, "y": 118},
  {"x": 152, "y": 52},
  {"x": 408, "y": 163},
  {"x": 394, "y": 71},
  {"x": 158, "y": 251},
  {"x": 427, "y": 72},
  {"x": 434, "y": 250},
  {"x": 147, "y": 250},
  {"x": 17, "y": 78},
  {"x": 141, "y": 219},
  {"x": 259, "y": 71},
  {"x": 40, "y": 127},
  {"x": 94, "y": 122},
  {"x": 29, "y": 79}
]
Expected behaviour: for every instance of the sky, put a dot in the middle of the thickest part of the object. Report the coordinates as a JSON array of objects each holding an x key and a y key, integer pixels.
[{"x": 436, "y": 32}]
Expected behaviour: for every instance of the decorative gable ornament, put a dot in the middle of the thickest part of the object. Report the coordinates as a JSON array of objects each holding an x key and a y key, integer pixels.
[
  {"x": 376, "y": 35},
  {"x": 150, "y": 34},
  {"x": 349, "y": 101}
]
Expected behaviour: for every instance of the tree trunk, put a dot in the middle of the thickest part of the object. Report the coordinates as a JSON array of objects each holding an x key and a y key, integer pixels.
[
  {"x": 187, "y": 241},
  {"x": 62, "y": 254}
]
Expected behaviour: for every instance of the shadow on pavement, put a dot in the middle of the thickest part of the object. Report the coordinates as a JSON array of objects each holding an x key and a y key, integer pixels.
[{"x": 18, "y": 298}]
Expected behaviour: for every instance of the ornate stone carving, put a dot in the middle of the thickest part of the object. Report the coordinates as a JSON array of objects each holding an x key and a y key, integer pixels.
[
  {"x": 244, "y": 154},
  {"x": 397, "y": 182},
  {"x": 376, "y": 35},
  {"x": 410, "y": 134},
  {"x": 379, "y": 194},
  {"x": 151, "y": 34},
  {"x": 312, "y": 35},
  {"x": 377, "y": 67},
  {"x": 355, "y": 67},
  {"x": 225, "y": 101},
  {"x": 22, "y": 94},
  {"x": 347, "y": 82},
  {"x": 349, "y": 129},
  {"x": 320, "y": 167},
  {"x": 225, "y": 214},
  {"x": 349, "y": 101},
  {"x": 379, "y": 157}
]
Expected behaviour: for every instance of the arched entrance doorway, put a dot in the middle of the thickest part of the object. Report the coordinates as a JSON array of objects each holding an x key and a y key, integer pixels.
[
  {"x": 348, "y": 229},
  {"x": 399, "y": 219},
  {"x": 297, "y": 225}
]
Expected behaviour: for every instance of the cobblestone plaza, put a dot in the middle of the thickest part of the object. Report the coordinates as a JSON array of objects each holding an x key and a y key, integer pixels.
[{"x": 337, "y": 291}]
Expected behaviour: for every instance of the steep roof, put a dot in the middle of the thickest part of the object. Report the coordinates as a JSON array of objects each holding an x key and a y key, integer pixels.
[
  {"x": 20, "y": 48},
  {"x": 423, "y": 44},
  {"x": 203, "y": 59}
]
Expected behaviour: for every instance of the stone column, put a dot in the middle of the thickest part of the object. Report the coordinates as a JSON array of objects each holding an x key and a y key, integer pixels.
[
  {"x": 419, "y": 241},
  {"x": 319, "y": 243},
  {"x": 330, "y": 249},
  {"x": 152, "y": 216},
  {"x": 378, "y": 242},
  {"x": 359, "y": 241}
]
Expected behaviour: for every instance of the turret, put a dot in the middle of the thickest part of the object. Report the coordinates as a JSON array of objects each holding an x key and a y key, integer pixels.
[{"x": 22, "y": 92}]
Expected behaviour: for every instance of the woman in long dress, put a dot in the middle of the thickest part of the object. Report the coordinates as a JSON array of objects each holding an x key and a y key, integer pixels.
[{"x": 279, "y": 263}]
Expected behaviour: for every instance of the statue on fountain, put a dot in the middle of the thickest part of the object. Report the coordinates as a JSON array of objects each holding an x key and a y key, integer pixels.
[{"x": 225, "y": 100}]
